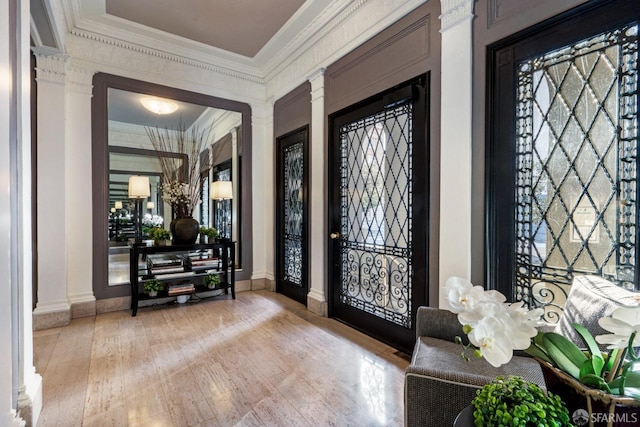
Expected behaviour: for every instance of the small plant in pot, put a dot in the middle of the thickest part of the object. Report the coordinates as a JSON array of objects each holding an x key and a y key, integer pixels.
[
  {"x": 208, "y": 233},
  {"x": 212, "y": 280},
  {"x": 159, "y": 235},
  {"x": 512, "y": 401},
  {"x": 152, "y": 287}
]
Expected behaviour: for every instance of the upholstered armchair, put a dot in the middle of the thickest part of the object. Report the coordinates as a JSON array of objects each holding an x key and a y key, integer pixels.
[{"x": 439, "y": 383}]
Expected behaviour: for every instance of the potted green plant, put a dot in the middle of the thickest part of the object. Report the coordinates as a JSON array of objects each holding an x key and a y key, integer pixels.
[
  {"x": 212, "y": 280},
  {"x": 159, "y": 235},
  {"x": 209, "y": 233},
  {"x": 512, "y": 401},
  {"x": 152, "y": 287}
]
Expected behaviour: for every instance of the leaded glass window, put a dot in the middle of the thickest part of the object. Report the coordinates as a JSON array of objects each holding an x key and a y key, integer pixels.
[{"x": 576, "y": 163}]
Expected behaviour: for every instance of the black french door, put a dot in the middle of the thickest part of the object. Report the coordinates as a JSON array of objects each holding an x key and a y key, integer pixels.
[
  {"x": 292, "y": 215},
  {"x": 378, "y": 195}
]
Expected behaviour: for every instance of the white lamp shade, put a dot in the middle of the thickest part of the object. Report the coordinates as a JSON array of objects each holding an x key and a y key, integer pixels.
[
  {"x": 139, "y": 187},
  {"x": 118, "y": 205},
  {"x": 150, "y": 205},
  {"x": 221, "y": 190},
  {"x": 113, "y": 210}
]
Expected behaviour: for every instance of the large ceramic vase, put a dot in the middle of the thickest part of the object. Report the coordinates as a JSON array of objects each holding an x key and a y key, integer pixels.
[
  {"x": 588, "y": 406},
  {"x": 184, "y": 230}
]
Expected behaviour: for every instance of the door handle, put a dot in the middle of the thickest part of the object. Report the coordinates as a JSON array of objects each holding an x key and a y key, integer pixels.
[{"x": 334, "y": 236}]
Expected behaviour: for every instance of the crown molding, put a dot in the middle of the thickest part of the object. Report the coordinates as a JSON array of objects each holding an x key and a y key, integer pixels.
[
  {"x": 454, "y": 12},
  {"x": 191, "y": 58},
  {"x": 355, "y": 25}
]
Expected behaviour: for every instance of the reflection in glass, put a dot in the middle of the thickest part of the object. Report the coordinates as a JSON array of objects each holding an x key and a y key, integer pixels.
[{"x": 131, "y": 153}]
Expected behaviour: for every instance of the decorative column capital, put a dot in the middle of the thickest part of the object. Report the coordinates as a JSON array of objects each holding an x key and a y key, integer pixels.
[
  {"x": 80, "y": 79},
  {"x": 455, "y": 12},
  {"x": 51, "y": 65},
  {"x": 317, "y": 84}
]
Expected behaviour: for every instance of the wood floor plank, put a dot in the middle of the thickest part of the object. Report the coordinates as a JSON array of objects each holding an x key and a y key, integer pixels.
[{"x": 260, "y": 360}]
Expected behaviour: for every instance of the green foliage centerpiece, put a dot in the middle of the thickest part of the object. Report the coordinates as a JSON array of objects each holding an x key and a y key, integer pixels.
[{"x": 513, "y": 401}]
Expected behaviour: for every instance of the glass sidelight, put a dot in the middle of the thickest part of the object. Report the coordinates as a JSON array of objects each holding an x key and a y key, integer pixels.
[{"x": 292, "y": 222}]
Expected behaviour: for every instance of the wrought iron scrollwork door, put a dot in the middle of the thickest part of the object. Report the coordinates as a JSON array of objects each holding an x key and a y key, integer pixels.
[
  {"x": 292, "y": 223},
  {"x": 374, "y": 223}
]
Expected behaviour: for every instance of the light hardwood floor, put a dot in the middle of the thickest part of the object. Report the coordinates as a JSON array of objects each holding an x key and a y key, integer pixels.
[{"x": 259, "y": 360}]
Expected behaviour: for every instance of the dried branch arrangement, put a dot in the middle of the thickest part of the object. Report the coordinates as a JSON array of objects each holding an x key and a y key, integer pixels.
[{"x": 181, "y": 185}]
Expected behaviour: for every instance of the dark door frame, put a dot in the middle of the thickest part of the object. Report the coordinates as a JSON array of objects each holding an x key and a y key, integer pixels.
[
  {"x": 572, "y": 26},
  {"x": 296, "y": 136},
  {"x": 377, "y": 327}
]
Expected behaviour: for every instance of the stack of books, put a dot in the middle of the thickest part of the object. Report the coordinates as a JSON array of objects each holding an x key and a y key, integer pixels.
[
  {"x": 201, "y": 261},
  {"x": 183, "y": 288},
  {"x": 164, "y": 263}
]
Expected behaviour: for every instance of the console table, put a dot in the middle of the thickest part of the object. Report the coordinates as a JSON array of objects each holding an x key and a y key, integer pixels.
[{"x": 180, "y": 268}]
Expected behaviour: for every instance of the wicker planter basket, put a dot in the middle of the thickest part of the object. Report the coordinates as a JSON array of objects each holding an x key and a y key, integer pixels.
[{"x": 588, "y": 406}]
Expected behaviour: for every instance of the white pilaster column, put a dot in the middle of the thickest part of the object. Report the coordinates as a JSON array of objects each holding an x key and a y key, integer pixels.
[
  {"x": 316, "y": 299},
  {"x": 29, "y": 382},
  {"x": 52, "y": 308},
  {"x": 20, "y": 386},
  {"x": 78, "y": 190},
  {"x": 263, "y": 195},
  {"x": 456, "y": 146}
]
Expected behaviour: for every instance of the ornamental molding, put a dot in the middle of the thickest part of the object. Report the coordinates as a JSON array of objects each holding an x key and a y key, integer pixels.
[
  {"x": 80, "y": 79},
  {"x": 454, "y": 12},
  {"x": 118, "y": 60},
  {"x": 51, "y": 65},
  {"x": 354, "y": 26},
  {"x": 110, "y": 41},
  {"x": 313, "y": 32},
  {"x": 317, "y": 85}
]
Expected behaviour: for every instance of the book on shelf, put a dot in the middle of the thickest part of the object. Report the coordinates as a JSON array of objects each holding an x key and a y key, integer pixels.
[
  {"x": 163, "y": 260},
  {"x": 179, "y": 274},
  {"x": 165, "y": 270},
  {"x": 184, "y": 288}
]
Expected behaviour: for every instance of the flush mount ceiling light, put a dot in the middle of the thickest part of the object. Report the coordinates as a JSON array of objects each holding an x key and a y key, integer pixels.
[{"x": 159, "y": 105}]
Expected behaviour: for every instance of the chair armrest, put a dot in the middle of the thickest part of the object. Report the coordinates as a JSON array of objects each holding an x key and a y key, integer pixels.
[{"x": 437, "y": 323}]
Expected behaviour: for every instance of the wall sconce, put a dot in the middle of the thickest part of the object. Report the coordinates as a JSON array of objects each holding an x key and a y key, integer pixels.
[
  {"x": 118, "y": 205},
  {"x": 138, "y": 189},
  {"x": 150, "y": 206}
]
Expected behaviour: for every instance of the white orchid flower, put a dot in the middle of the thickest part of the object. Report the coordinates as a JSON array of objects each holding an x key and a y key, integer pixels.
[
  {"x": 522, "y": 326},
  {"x": 462, "y": 295},
  {"x": 490, "y": 337},
  {"x": 485, "y": 308},
  {"x": 623, "y": 322}
]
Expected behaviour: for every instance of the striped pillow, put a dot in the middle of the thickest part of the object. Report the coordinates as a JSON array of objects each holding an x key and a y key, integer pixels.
[{"x": 590, "y": 298}]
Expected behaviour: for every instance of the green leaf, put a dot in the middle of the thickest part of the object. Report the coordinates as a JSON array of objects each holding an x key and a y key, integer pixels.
[
  {"x": 565, "y": 354},
  {"x": 610, "y": 360},
  {"x": 538, "y": 352},
  {"x": 597, "y": 361},
  {"x": 594, "y": 381},
  {"x": 633, "y": 380}
]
